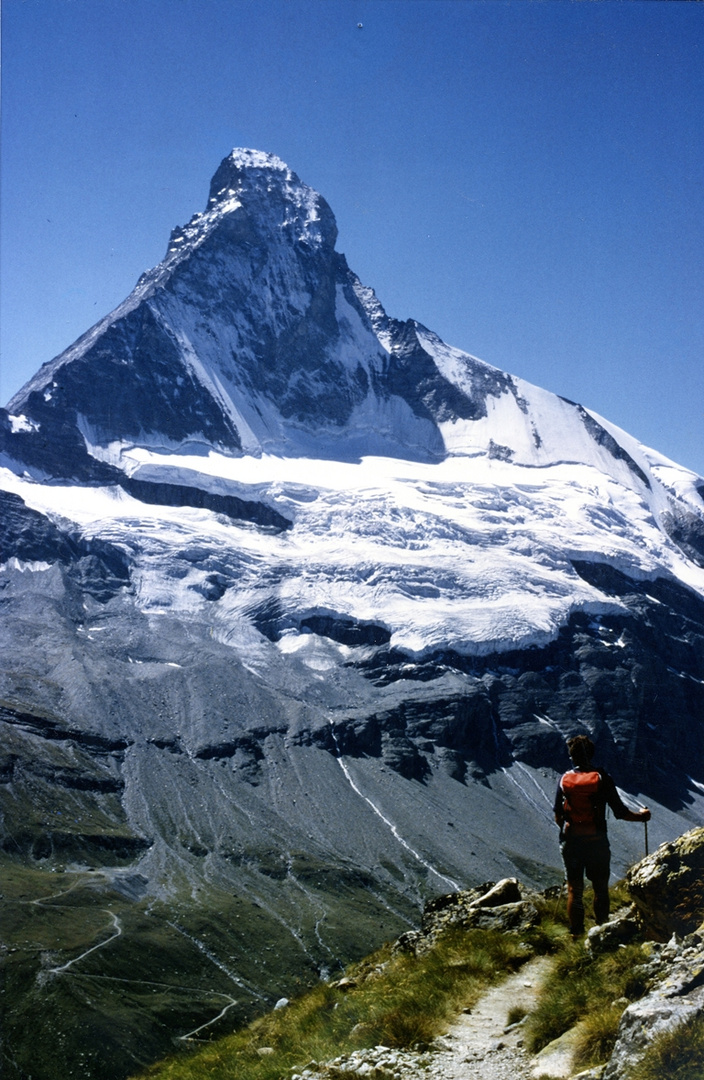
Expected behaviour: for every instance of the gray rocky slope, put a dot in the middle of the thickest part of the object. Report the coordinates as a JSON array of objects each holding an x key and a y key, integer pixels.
[{"x": 300, "y": 605}]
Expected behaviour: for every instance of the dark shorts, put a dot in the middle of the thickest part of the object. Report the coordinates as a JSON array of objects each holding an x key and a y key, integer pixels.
[{"x": 590, "y": 855}]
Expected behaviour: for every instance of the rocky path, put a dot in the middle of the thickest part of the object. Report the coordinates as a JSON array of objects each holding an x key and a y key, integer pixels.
[{"x": 480, "y": 1045}]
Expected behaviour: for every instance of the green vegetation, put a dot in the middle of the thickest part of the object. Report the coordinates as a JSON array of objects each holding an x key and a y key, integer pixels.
[
  {"x": 81, "y": 997},
  {"x": 596, "y": 1035},
  {"x": 403, "y": 1001},
  {"x": 588, "y": 992},
  {"x": 677, "y": 1055},
  {"x": 78, "y": 993},
  {"x": 398, "y": 1001},
  {"x": 127, "y": 993},
  {"x": 515, "y": 1015}
]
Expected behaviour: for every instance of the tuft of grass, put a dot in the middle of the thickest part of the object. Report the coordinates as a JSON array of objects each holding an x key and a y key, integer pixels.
[
  {"x": 676, "y": 1054},
  {"x": 596, "y": 1036},
  {"x": 620, "y": 896},
  {"x": 515, "y": 1015},
  {"x": 564, "y": 997}
]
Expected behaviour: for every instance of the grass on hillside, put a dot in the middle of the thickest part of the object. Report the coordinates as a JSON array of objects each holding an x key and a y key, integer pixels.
[
  {"x": 582, "y": 990},
  {"x": 405, "y": 1002},
  {"x": 397, "y": 1001}
]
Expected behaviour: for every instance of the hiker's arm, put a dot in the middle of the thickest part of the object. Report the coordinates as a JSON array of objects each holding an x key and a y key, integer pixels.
[
  {"x": 620, "y": 810},
  {"x": 633, "y": 815},
  {"x": 558, "y": 807}
]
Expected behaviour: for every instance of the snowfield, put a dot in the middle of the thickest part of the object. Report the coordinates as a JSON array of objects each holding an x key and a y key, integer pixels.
[{"x": 471, "y": 554}]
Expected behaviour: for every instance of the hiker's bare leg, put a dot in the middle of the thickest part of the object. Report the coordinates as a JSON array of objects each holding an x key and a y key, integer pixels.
[
  {"x": 575, "y": 905},
  {"x": 601, "y": 898}
]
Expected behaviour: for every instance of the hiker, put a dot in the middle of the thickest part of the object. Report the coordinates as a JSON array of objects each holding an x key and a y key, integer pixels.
[{"x": 580, "y": 811}]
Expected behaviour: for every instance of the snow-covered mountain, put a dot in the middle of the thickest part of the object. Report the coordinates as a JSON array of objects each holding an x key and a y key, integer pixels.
[{"x": 301, "y": 603}]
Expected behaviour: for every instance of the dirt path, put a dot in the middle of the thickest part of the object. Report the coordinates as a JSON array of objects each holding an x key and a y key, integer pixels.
[{"x": 479, "y": 1045}]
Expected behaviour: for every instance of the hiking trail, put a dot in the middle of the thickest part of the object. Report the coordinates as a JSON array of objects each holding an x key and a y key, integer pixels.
[{"x": 480, "y": 1043}]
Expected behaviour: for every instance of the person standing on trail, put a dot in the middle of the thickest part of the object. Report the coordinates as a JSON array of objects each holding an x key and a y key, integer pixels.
[{"x": 580, "y": 810}]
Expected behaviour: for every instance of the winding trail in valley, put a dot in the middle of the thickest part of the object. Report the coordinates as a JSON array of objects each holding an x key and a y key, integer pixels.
[{"x": 117, "y": 927}]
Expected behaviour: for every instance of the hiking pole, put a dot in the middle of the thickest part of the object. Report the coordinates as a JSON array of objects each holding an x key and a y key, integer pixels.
[
  {"x": 640, "y": 806},
  {"x": 645, "y": 826}
]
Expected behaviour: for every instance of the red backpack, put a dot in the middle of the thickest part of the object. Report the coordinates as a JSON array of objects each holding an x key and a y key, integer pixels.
[{"x": 579, "y": 791}]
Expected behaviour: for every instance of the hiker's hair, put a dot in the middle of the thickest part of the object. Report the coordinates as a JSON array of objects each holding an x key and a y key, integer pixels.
[{"x": 580, "y": 749}]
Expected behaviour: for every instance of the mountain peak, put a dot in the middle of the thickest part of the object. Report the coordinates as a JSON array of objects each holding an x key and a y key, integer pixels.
[
  {"x": 264, "y": 184},
  {"x": 243, "y": 167}
]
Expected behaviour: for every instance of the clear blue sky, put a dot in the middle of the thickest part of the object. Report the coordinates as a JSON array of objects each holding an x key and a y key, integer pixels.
[{"x": 524, "y": 177}]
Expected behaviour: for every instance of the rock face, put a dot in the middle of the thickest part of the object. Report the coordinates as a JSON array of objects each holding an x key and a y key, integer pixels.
[
  {"x": 251, "y": 335},
  {"x": 668, "y": 887},
  {"x": 272, "y": 561},
  {"x": 677, "y": 998},
  {"x": 618, "y": 930}
]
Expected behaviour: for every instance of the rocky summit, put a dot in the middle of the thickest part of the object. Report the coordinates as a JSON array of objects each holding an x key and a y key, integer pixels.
[{"x": 301, "y": 604}]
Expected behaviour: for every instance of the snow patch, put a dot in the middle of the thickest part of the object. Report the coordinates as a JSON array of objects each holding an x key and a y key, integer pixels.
[
  {"x": 25, "y": 565},
  {"x": 20, "y": 423}
]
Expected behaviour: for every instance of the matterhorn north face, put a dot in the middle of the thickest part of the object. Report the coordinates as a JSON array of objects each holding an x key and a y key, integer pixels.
[{"x": 300, "y": 605}]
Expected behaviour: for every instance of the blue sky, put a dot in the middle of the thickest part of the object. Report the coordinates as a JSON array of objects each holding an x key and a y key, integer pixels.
[{"x": 523, "y": 177}]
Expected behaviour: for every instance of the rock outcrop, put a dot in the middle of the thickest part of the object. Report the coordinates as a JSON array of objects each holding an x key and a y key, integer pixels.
[
  {"x": 668, "y": 887},
  {"x": 677, "y": 997},
  {"x": 503, "y": 905}
]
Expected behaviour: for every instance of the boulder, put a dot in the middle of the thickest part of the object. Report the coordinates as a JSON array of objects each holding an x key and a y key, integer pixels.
[
  {"x": 504, "y": 917},
  {"x": 619, "y": 930},
  {"x": 506, "y": 891},
  {"x": 667, "y": 887},
  {"x": 409, "y": 942},
  {"x": 555, "y": 1059},
  {"x": 492, "y": 906}
]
